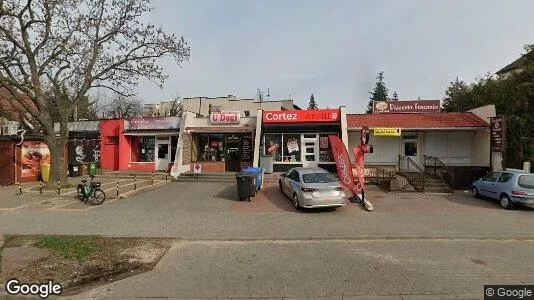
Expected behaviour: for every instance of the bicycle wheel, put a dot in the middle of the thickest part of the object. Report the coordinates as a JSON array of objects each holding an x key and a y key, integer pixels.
[
  {"x": 98, "y": 197},
  {"x": 80, "y": 193}
]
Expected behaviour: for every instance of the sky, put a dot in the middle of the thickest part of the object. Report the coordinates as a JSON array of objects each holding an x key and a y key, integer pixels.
[{"x": 335, "y": 49}]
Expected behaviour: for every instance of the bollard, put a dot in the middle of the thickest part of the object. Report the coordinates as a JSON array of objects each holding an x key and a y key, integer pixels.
[
  {"x": 135, "y": 182},
  {"x": 165, "y": 177},
  {"x": 20, "y": 188},
  {"x": 152, "y": 177},
  {"x": 117, "y": 189},
  {"x": 40, "y": 187},
  {"x": 59, "y": 187}
]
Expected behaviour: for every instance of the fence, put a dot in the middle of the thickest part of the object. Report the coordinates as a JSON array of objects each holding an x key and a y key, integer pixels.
[{"x": 114, "y": 185}]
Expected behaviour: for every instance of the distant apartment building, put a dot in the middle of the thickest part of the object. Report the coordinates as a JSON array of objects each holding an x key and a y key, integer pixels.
[{"x": 202, "y": 106}]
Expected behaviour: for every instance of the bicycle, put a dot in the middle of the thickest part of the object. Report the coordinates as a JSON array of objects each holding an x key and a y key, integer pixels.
[{"x": 91, "y": 193}]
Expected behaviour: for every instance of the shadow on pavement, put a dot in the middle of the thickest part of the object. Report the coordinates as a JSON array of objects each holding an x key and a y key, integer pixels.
[
  {"x": 276, "y": 197},
  {"x": 228, "y": 193}
]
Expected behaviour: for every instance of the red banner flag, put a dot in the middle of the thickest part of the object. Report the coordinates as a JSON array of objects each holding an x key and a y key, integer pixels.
[
  {"x": 342, "y": 158},
  {"x": 359, "y": 170}
]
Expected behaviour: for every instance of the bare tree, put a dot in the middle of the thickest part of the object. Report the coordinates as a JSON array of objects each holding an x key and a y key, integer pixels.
[
  {"x": 122, "y": 107},
  {"x": 172, "y": 108},
  {"x": 79, "y": 44}
]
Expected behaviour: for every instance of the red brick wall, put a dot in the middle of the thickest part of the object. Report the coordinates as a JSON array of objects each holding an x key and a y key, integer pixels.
[{"x": 209, "y": 166}]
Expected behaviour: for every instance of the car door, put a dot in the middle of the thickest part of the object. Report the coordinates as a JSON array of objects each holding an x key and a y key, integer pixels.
[
  {"x": 293, "y": 181},
  {"x": 287, "y": 182},
  {"x": 487, "y": 186},
  {"x": 503, "y": 184}
]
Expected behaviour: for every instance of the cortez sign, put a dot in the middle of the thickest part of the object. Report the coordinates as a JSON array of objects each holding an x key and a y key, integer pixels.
[{"x": 302, "y": 116}]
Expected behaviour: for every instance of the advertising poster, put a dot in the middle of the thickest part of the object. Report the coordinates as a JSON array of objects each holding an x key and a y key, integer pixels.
[
  {"x": 323, "y": 142},
  {"x": 34, "y": 155},
  {"x": 292, "y": 145}
]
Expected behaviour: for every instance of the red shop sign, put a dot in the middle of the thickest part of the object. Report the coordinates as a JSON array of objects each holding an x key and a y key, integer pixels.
[
  {"x": 302, "y": 116},
  {"x": 225, "y": 117}
]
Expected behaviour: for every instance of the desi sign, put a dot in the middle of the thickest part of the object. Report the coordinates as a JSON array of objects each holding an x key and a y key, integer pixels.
[
  {"x": 302, "y": 116},
  {"x": 498, "y": 134},
  {"x": 418, "y": 106},
  {"x": 225, "y": 117},
  {"x": 387, "y": 132}
]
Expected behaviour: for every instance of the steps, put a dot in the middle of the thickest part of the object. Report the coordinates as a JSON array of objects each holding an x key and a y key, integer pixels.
[
  {"x": 436, "y": 185},
  {"x": 428, "y": 184},
  {"x": 206, "y": 177}
]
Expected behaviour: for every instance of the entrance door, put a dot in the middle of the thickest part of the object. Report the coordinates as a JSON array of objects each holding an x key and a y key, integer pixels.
[
  {"x": 310, "y": 151},
  {"x": 233, "y": 156},
  {"x": 163, "y": 151},
  {"x": 410, "y": 148}
]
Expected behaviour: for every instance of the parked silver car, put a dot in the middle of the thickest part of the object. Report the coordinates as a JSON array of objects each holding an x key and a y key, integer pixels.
[
  {"x": 312, "y": 188},
  {"x": 510, "y": 187}
]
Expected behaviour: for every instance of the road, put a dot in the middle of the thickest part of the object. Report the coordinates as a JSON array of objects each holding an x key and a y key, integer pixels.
[{"x": 411, "y": 245}]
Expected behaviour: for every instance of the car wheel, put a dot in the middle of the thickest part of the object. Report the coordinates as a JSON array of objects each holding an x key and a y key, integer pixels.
[
  {"x": 475, "y": 192},
  {"x": 506, "y": 203},
  {"x": 296, "y": 201}
]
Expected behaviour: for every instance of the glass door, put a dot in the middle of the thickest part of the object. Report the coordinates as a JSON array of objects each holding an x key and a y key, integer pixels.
[
  {"x": 163, "y": 153},
  {"x": 310, "y": 151}
]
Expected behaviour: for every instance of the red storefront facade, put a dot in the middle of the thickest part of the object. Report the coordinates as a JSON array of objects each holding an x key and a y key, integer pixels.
[{"x": 140, "y": 144}]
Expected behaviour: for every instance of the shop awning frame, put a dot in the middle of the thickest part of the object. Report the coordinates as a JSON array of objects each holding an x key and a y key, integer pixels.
[
  {"x": 220, "y": 129},
  {"x": 151, "y": 133}
]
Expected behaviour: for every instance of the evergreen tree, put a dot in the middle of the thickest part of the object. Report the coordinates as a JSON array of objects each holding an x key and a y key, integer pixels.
[
  {"x": 312, "y": 104},
  {"x": 379, "y": 93}
]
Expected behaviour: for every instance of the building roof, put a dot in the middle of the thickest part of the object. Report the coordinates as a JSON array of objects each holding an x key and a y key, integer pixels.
[
  {"x": 416, "y": 121},
  {"x": 516, "y": 64}
]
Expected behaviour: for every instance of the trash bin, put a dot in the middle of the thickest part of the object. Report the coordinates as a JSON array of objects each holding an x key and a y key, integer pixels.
[
  {"x": 266, "y": 162},
  {"x": 245, "y": 186},
  {"x": 74, "y": 170},
  {"x": 92, "y": 169},
  {"x": 82, "y": 169},
  {"x": 259, "y": 175},
  {"x": 45, "y": 172}
]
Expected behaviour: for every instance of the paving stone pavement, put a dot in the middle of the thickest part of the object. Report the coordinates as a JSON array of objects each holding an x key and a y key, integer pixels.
[{"x": 311, "y": 269}]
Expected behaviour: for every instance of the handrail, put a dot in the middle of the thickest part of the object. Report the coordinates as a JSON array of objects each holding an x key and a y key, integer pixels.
[
  {"x": 448, "y": 172},
  {"x": 413, "y": 168}
]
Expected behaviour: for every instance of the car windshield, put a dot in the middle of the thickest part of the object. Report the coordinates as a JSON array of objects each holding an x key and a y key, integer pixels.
[
  {"x": 317, "y": 178},
  {"x": 526, "y": 181}
]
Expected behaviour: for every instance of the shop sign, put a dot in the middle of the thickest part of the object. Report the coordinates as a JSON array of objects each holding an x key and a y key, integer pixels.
[
  {"x": 84, "y": 150},
  {"x": 225, "y": 117},
  {"x": 387, "y": 132},
  {"x": 302, "y": 116},
  {"x": 153, "y": 123},
  {"x": 34, "y": 155},
  {"x": 418, "y": 106},
  {"x": 498, "y": 134}
]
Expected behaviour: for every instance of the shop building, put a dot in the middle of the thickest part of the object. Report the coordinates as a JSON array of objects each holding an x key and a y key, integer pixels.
[
  {"x": 296, "y": 138},
  {"x": 139, "y": 144},
  {"x": 422, "y": 142},
  {"x": 83, "y": 146},
  {"x": 222, "y": 142}
]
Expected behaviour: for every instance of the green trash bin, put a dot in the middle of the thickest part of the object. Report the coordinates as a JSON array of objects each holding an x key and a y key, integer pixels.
[{"x": 92, "y": 169}]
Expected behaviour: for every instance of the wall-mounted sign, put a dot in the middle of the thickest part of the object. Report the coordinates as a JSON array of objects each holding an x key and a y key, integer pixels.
[
  {"x": 418, "y": 106},
  {"x": 197, "y": 169},
  {"x": 302, "y": 116},
  {"x": 83, "y": 151},
  {"x": 498, "y": 134},
  {"x": 387, "y": 132},
  {"x": 225, "y": 117},
  {"x": 153, "y": 123}
]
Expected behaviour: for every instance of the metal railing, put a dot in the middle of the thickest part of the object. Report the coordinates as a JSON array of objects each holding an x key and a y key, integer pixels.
[
  {"x": 434, "y": 166},
  {"x": 389, "y": 181},
  {"x": 412, "y": 172}
]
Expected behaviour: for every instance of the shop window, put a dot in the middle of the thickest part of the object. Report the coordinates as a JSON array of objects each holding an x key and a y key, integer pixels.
[
  {"x": 247, "y": 113},
  {"x": 211, "y": 147},
  {"x": 310, "y": 136},
  {"x": 291, "y": 151},
  {"x": 273, "y": 146},
  {"x": 143, "y": 148},
  {"x": 325, "y": 151}
]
